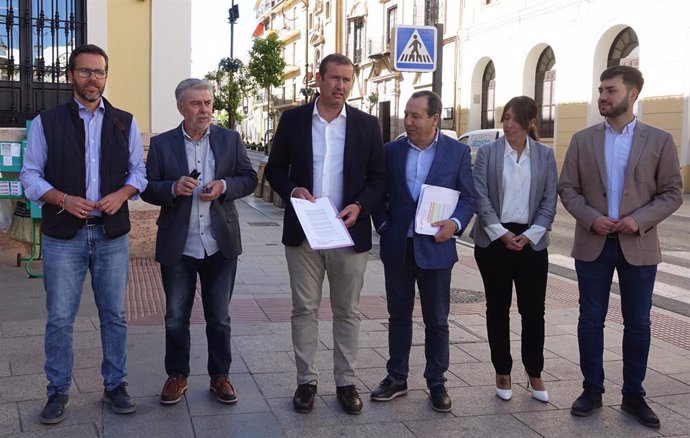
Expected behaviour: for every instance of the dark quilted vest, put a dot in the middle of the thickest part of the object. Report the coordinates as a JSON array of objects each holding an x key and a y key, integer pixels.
[{"x": 65, "y": 166}]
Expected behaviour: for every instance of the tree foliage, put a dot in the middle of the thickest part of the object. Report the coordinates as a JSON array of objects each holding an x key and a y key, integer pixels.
[
  {"x": 231, "y": 84},
  {"x": 266, "y": 63}
]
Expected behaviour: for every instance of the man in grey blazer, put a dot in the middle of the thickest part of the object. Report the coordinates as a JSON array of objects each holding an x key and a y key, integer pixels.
[
  {"x": 196, "y": 171},
  {"x": 620, "y": 179}
]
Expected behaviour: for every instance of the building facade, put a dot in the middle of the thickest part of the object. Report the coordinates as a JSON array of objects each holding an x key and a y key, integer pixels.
[
  {"x": 147, "y": 41},
  {"x": 551, "y": 50},
  {"x": 555, "y": 50}
]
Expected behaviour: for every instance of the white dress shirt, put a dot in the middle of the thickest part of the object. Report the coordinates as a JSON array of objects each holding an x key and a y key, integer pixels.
[
  {"x": 517, "y": 178},
  {"x": 328, "y": 148}
]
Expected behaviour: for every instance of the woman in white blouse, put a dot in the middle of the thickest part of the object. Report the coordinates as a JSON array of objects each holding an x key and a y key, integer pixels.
[{"x": 516, "y": 180}]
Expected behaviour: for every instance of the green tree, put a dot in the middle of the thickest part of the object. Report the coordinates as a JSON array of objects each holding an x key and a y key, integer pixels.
[
  {"x": 232, "y": 84},
  {"x": 266, "y": 64}
]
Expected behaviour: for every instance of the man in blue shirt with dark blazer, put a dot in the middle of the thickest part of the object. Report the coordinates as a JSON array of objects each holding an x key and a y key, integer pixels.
[{"x": 425, "y": 156}]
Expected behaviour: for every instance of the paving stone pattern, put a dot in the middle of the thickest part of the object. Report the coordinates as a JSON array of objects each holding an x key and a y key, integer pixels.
[{"x": 263, "y": 370}]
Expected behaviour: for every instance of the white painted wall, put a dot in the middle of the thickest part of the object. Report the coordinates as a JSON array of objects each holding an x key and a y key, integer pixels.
[
  {"x": 171, "y": 51},
  {"x": 580, "y": 32},
  {"x": 97, "y": 26}
]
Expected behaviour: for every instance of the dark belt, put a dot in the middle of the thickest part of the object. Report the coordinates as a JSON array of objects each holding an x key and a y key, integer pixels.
[
  {"x": 612, "y": 235},
  {"x": 94, "y": 220}
]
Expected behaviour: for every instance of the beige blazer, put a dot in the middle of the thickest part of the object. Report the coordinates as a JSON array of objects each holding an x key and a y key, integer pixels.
[{"x": 651, "y": 191}]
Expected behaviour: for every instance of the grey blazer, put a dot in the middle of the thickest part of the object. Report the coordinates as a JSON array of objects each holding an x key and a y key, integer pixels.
[{"x": 488, "y": 181}]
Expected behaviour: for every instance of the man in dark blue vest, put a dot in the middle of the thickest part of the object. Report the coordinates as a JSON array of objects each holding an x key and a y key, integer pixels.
[{"x": 83, "y": 161}]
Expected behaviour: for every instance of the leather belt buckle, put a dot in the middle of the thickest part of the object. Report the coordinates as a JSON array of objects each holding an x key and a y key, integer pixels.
[
  {"x": 93, "y": 220},
  {"x": 612, "y": 235}
]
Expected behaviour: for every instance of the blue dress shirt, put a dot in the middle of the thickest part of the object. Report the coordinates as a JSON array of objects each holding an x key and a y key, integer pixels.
[{"x": 617, "y": 151}]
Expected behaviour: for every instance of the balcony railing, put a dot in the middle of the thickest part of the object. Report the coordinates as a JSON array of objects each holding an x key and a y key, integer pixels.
[{"x": 266, "y": 5}]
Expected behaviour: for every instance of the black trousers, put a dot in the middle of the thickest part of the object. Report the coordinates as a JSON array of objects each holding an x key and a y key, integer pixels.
[{"x": 528, "y": 270}]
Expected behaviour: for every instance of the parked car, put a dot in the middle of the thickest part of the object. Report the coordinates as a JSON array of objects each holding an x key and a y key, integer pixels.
[{"x": 478, "y": 138}]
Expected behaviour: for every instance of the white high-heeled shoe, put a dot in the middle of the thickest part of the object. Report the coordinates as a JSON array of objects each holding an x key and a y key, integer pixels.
[
  {"x": 504, "y": 394},
  {"x": 542, "y": 396}
]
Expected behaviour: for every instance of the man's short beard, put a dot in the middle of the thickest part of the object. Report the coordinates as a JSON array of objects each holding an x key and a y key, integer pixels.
[
  {"x": 618, "y": 110},
  {"x": 89, "y": 97}
]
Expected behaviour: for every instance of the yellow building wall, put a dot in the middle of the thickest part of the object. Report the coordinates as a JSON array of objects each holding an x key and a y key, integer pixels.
[
  {"x": 463, "y": 117},
  {"x": 667, "y": 113},
  {"x": 129, "y": 52},
  {"x": 572, "y": 117}
]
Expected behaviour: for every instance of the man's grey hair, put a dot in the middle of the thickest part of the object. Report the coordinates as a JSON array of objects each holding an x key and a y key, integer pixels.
[{"x": 193, "y": 83}]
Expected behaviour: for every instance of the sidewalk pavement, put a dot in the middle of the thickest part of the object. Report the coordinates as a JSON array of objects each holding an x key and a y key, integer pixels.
[{"x": 263, "y": 370}]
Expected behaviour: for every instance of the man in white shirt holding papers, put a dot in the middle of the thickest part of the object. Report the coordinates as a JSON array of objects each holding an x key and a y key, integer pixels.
[
  {"x": 425, "y": 156},
  {"x": 328, "y": 149}
]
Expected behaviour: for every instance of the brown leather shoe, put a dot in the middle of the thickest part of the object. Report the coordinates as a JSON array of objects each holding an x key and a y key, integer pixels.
[
  {"x": 222, "y": 388},
  {"x": 174, "y": 388}
]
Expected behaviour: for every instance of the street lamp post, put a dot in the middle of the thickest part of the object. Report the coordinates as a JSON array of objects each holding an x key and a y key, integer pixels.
[
  {"x": 306, "y": 43},
  {"x": 233, "y": 15}
]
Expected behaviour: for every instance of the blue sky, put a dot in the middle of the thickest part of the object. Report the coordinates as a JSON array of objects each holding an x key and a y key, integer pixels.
[{"x": 211, "y": 33}]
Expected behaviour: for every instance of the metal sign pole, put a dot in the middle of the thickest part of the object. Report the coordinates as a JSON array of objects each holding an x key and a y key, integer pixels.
[{"x": 437, "y": 78}]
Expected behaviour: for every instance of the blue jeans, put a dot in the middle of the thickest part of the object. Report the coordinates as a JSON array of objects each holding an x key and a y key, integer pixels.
[
  {"x": 636, "y": 288},
  {"x": 65, "y": 263},
  {"x": 217, "y": 275},
  {"x": 434, "y": 294}
]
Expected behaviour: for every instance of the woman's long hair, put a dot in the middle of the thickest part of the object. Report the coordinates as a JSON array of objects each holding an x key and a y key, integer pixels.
[{"x": 525, "y": 110}]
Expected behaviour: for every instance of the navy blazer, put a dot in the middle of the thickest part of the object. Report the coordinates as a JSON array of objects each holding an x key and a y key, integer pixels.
[
  {"x": 451, "y": 168},
  {"x": 167, "y": 162},
  {"x": 291, "y": 162}
]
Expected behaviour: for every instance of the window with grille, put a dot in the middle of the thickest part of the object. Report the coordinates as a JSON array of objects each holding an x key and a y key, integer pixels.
[
  {"x": 36, "y": 39},
  {"x": 430, "y": 12},
  {"x": 625, "y": 49},
  {"x": 489, "y": 96},
  {"x": 355, "y": 32},
  {"x": 545, "y": 84},
  {"x": 391, "y": 22}
]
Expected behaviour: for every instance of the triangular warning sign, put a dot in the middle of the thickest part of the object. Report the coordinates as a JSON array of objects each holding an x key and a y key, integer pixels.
[{"x": 415, "y": 51}]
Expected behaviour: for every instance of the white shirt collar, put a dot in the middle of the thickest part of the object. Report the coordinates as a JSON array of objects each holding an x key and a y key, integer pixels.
[
  {"x": 315, "y": 112},
  {"x": 509, "y": 150}
]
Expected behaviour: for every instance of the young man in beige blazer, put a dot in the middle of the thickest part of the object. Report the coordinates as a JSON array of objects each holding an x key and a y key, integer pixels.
[{"x": 620, "y": 179}]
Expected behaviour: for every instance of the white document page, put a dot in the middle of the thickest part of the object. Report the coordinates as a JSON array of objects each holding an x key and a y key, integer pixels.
[
  {"x": 321, "y": 224},
  {"x": 435, "y": 204}
]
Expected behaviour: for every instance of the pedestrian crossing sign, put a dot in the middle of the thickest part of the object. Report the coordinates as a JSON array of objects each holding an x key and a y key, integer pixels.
[{"x": 415, "y": 48}]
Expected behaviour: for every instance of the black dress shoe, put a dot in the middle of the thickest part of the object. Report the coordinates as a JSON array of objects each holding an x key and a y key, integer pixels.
[
  {"x": 119, "y": 400},
  {"x": 349, "y": 399},
  {"x": 388, "y": 390},
  {"x": 54, "y": 410},
  {"x": 635, "y": 405},
  {"x": 440, "y": 401},
  {"x": 586, "y": 403},
  {"x": 303, "y": 400}
]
